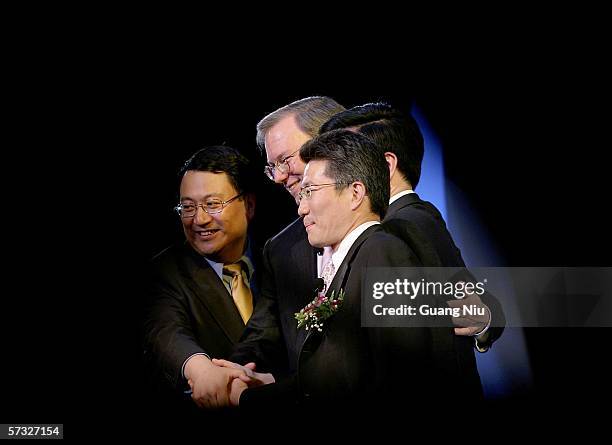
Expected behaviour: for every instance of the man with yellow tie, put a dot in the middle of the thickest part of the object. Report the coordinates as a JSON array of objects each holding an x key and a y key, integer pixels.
[{"x": 201, "y": 293}]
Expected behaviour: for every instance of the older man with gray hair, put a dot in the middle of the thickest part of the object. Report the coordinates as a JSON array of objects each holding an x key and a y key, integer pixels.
[{"x": 291, "y": 264}]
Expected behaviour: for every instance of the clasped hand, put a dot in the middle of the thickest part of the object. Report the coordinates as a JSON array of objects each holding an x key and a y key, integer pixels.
[{"x": 219, "y": 383}]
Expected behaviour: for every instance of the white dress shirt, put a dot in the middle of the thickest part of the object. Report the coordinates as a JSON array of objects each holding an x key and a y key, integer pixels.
[
  {"x": 346, "y": 244},
  {"x": 399, "y": 195}
]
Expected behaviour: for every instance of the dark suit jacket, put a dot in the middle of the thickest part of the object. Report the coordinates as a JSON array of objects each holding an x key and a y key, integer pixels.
[
  {"x": 351, "y": 365},
  {"x": 188, "y": 311},
  {"x": 271, "y": 339},
  {"x": 420, "y": 225}
]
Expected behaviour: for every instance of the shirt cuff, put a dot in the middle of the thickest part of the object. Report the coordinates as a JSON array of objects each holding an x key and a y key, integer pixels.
[
  {"x": 486, "y": 328},
  {"x": 187, "y": 359}
]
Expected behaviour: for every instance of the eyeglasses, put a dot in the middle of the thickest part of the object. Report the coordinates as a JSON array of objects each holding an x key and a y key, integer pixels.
[
  {"x": 211, "y": 206},
  {"x": 306, "y": 192},
  {"x": 282, "y": 166}
]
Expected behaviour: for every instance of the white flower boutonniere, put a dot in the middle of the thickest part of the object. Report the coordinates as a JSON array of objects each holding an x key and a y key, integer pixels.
[{"x": 319, "y": 309}]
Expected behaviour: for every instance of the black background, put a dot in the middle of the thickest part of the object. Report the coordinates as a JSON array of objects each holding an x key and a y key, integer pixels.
[{"x": 524, "y": 133}]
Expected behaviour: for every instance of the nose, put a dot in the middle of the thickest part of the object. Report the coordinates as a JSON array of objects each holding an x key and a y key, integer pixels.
[
  {"x": 201, "y": 218},
  {"x": 303, "y": 207},
  {"x": 280, "y": 177}
]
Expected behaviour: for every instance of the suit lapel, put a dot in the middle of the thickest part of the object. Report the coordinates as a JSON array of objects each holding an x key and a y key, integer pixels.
[
  {"x": 339, "y": 281},
  {"x": 341, "y": 276},
  {"x": 304, "y": 256},
  {"x": 209, "y": 289}
]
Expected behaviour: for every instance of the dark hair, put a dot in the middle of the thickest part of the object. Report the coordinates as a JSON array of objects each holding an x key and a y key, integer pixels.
[
  {"x": 352, "y": 157},
  {"x": 222, "y": 159},
  {"x": 389, "y": 128}
]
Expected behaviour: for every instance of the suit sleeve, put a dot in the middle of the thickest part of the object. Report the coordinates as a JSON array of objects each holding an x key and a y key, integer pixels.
[
  {"x": 168, "y": 336},
  {"x": 422, "y": 246},
  {"x": 262, "y": 341},
  {"x": 498, "y": 319},
  {"x": 272, "y": 398}
]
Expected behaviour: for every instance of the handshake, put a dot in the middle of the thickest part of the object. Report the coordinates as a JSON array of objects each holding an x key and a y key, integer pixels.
[{"x": 219, "y": 383}]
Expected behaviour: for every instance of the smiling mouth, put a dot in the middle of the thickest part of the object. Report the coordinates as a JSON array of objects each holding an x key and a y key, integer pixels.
[{"x": 206, "y": 234}]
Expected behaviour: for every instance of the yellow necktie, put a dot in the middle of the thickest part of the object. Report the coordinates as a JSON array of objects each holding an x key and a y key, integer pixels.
[{"x": 241, "y": 293}]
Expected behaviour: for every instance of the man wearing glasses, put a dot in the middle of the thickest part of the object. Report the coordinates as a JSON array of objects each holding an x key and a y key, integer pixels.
[
  {"x": 201, "y": 292},
  {"x": 344, "y": 369},
  {"x": 290, "y": 264}
]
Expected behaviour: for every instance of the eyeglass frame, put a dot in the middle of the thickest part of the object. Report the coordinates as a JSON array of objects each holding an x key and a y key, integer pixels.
[
  {"x": 306, "y": 191},
  {"x": 224, "y": 204},
  {"x": 269, "y": 169}
]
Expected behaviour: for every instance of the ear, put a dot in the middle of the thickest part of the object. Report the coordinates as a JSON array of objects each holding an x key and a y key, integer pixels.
[
  {"x": 249, "y": 203},
  {"x": 358, "y": 192},
  {"x": 391, "y": 162}
]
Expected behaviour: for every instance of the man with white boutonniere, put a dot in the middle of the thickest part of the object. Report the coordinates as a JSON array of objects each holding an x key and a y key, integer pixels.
[{"x": 344, "y": 195}]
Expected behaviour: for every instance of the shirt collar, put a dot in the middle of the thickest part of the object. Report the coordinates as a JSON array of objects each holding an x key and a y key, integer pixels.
[
  {"x": 399, "y": 195},
  {"x": 218, "y": 267},
  {"x": 348, "y": 241},
  {"x": 245, "y": 258}
]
